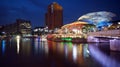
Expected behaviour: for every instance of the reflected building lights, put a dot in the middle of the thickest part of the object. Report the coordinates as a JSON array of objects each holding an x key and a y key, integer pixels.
[
  {"x": 18, "y": 45},
  {"x": 82, "y": 54},
  {"x": 46, "y": 48},
  {"x": 80, "y": 57},
  {"x": 66, "y": 51},
  {"x": 74, "y": 52},
  {"x": 40, "y": 46},
  {"x": 86, "y": 51},
  {"x": 60, "y": 47},
  {"x": 3, "y": 46},
  {"x": 36, "y": 45},
  {"x": 25, "y": 45}
]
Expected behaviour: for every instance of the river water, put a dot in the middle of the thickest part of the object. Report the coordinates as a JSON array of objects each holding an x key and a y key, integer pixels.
[{"x": 31, "y": 52}]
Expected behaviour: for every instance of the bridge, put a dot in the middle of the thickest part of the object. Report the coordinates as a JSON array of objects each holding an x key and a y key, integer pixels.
[
  {"x": 110, "y": 36},
  {"x": 105, "y": 33},
  {"x": 103, "y": 36}
]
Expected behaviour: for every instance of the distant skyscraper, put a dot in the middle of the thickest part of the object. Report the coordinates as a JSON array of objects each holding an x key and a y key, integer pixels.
[{"x": 54, "y": 16}]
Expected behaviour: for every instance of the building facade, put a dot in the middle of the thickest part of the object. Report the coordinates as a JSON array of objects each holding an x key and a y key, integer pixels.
[
  {"x": 38, "y": 31},
  {"x": 22, "y": 27},
  {"x": 54, "y": 16}
]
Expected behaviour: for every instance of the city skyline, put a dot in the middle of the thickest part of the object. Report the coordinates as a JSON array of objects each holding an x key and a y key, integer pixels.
[{"x": 35, "y": 10}]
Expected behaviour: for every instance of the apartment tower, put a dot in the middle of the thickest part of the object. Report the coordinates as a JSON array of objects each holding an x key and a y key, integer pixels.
[{"x": 54, "y": 16}]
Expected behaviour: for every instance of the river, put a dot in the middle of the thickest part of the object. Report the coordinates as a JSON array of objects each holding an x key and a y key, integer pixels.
[{"x": 31, "y": 52}]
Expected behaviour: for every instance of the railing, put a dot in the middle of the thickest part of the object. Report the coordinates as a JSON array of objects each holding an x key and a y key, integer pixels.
[{"x": 106, "y": 33}]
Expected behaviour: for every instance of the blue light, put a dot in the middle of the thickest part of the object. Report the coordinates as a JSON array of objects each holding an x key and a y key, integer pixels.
[
  {"x": 102, "y": 24},
  {"x": 100, "y": 19},
  {"x": 38, "y": 39},
  {"x": 3, "y": 46}
]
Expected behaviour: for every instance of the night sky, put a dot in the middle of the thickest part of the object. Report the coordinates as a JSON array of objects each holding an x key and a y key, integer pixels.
[{"x": 34, "y": 10}]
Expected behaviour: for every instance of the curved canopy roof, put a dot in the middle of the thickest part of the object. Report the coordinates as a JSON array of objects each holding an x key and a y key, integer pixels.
[
  {"x": 96, "y": 17},
  {"x": 75, "y": 24}
]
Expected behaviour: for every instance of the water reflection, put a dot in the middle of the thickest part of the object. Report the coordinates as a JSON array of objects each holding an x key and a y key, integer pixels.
[
  {"x": 32, "y": 49},
  {"x": 80, "y": 54},
  {"x": 40, "y": 46},
  {"x": 26, "y": 46},
  {"x": 86, "y": 51},
  {"x": 101, "y": 57},
  {"x": 3, "y": 46},
  {"x": 46, "y": 48},
  {"x": 72, "y": 52},
  {"x": 18, "y": 45},
  {"x": 37, "y": 44}
]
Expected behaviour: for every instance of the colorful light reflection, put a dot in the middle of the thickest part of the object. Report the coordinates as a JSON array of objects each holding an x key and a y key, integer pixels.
[
  {"x": 18, "y": 45},
  {"x": 3, "y": 46},
  {"x": 105, "y": 60},
  {"x": 74, "y": 52}
]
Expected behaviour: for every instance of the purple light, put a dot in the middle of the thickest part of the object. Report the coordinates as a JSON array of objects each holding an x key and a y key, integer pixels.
[{"x": 102, "y": 58}]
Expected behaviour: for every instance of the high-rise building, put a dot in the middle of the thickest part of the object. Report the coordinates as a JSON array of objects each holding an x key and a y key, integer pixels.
[{"x": 54, "y": 16}]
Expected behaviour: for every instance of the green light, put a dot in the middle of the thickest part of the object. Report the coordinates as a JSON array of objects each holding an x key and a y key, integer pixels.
[
  {"x": 70, "y": 44},
  {"x": 67, "y": 39}
]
